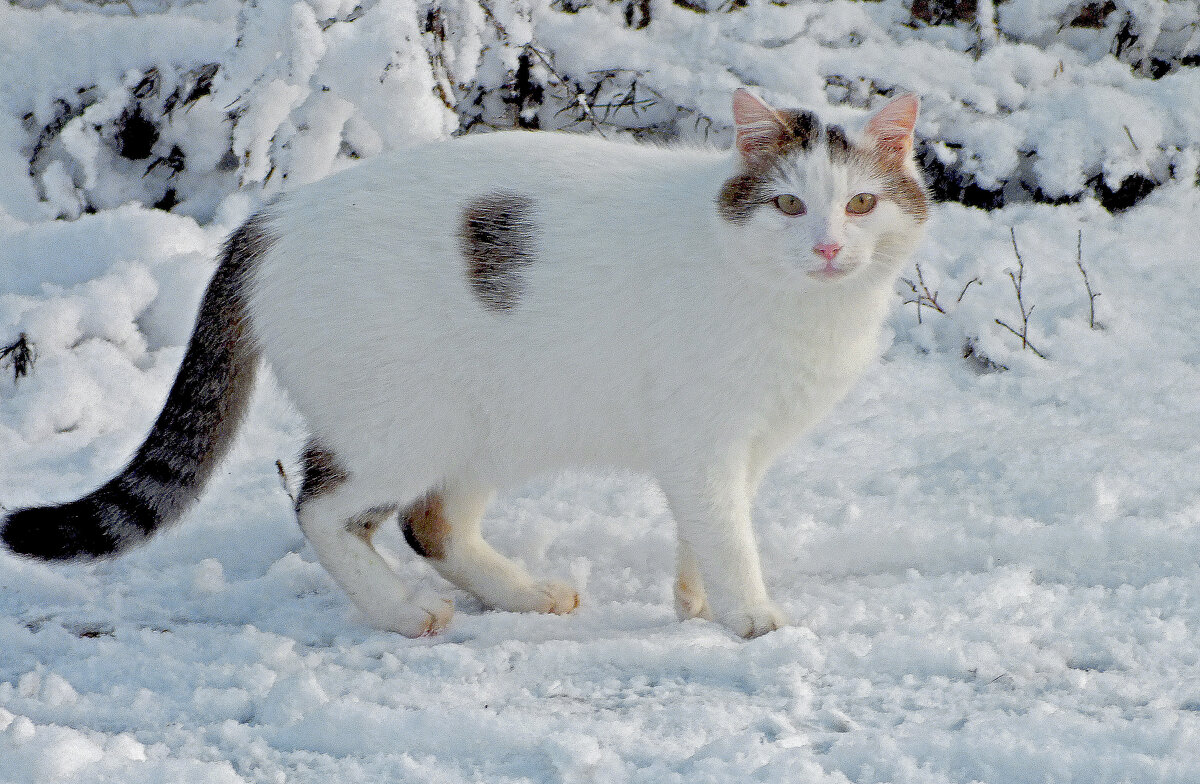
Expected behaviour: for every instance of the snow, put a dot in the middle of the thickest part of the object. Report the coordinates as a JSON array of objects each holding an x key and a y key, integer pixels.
[{"x": 993, "y": 571}]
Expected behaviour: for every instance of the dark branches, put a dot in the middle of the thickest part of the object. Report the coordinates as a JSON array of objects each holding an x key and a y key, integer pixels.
[
  {"x": 921, "y": 296},
  {"x": 1018, "y": 280},
  {"x": 20, "y": 355}
]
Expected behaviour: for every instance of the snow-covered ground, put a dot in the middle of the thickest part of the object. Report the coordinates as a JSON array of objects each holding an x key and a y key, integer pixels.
[{"x": 993, "y": 571}]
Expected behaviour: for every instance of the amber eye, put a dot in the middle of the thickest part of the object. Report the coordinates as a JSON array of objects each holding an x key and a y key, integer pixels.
[
  {"x": 789, "y": 204},
  {"x": 861, "y": 204}
]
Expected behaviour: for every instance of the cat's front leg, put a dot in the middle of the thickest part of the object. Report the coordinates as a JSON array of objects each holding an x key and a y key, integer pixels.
[
  {"x": 691, "y": 600},
  {"x": 716, "y": 541}
]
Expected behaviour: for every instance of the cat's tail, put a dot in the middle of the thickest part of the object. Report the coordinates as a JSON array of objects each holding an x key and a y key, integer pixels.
[{"x": 188, "y": 440}]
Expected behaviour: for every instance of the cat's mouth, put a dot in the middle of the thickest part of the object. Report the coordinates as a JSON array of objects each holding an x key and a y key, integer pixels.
[{"x": 829, "y": 272}]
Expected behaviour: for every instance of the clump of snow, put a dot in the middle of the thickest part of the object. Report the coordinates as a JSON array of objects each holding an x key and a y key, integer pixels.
[{"x": 990, "y": 556}]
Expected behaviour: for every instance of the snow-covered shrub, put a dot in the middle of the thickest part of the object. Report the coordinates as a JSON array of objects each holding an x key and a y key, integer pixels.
[
  {"x": 1024, "y": 100},
  {"x": 137, "y": 142}
]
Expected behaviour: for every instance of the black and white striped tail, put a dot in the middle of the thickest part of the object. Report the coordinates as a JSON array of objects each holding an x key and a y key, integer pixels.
[{"x": 192, "y": 434}]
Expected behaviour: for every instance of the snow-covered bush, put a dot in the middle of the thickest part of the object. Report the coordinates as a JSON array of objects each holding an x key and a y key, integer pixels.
[{"x": 1023, "y": 100}]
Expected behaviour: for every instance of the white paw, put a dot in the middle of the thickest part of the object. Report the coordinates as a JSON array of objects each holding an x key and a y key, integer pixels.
[
  {"x": 691, "y": 601},
  {"x": 551, "y": 596},
  {"x": 559, "y": 598},
  {"x": 421, "y": 616},
  {"x": 754, "y": 620}
]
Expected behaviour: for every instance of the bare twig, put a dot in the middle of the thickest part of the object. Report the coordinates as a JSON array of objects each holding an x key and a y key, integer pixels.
[
  {"x": 628, "y": 100},
  {"x": 580, "y": 98},
  {"x": 1086, "y": 283},
  {"x": 1131, "y": 141},
  {"x": 922, "y": 297},
  {"x": 1018, "y": 280},
  {"x": 963, "y": 293},
  {"x": 491, "y": 17},
  {"x": 1024, "y": 340}
]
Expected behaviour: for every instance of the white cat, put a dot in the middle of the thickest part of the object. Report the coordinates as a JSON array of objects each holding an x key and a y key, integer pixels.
[{"x": 461, "y": 317}]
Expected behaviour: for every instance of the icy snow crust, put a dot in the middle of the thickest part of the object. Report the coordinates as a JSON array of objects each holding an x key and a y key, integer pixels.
[{"x": 994, "y": 571}]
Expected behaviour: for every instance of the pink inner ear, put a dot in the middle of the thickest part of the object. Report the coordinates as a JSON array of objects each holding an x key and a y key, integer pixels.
[
  {"x": 892, "y": 126},
  {"x": 759, "y": 128},
  {"x": 749, "y": 108}
]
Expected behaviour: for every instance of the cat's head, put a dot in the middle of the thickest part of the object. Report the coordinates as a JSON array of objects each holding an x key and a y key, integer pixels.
[{"x": 820, "y": 206}]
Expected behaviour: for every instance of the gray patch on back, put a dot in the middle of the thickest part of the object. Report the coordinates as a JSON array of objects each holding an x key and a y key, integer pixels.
[{"x": 498, "y": 237}]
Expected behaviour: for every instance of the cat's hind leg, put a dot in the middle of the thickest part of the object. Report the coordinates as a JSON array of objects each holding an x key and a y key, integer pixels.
[
  {"x": 330, "y": 508},
  {"x": 444, "y": 527}
]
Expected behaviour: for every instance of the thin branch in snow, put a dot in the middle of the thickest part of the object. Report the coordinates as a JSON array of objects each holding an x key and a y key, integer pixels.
[
  {"x": 922, "y": 297},
  {"x": 580, "y": 98},
  {"x": 490, "y": 15},
  {"x": 1018, "y": 280},
  {"x": 963, "y": 293},
  {"x": 1086, "y": 282},
  {"x": 627, "y": 100},
  {"x": 1131, "y": 141},
  {"x": 980, "y": 361}
]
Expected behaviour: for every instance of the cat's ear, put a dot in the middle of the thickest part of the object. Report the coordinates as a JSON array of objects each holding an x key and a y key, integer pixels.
[
  {"x": 891, "y": 129},
  {"x": 760, "y": 129}
]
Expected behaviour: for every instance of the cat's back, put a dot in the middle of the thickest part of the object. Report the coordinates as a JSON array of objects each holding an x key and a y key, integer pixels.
[
  {"x": 465, "y": 226},
  {"x": 417, "y": 190}
]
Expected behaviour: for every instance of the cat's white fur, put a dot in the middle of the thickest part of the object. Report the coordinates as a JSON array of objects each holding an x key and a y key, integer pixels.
[{"x": 649, "y": 334}]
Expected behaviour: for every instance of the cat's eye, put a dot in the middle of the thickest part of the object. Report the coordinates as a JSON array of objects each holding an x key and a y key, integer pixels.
[
  {"x": 861, "y": 204},
  {"x": 789, "y": 204}
]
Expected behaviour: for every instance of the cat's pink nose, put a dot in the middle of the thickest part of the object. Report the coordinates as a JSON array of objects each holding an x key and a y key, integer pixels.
[{"x": 827, "y": 249}]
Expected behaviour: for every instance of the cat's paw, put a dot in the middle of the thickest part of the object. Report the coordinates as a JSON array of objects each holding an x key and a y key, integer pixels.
[
  {"x": 551, "y": 596},
  {"x": 421, "y": 616},
  {"x": 691, "y": 601},
  {"x": 560, "y": 598},
  {"x": 438, "y": 612},
  {"x": 754, "y": 620}
]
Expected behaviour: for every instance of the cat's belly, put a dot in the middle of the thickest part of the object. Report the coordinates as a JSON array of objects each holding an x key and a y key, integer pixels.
[{"x": 440, "y": 413}]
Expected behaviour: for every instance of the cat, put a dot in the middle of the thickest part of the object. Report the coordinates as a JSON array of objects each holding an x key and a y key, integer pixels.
[{"x": 464, "y": 316}]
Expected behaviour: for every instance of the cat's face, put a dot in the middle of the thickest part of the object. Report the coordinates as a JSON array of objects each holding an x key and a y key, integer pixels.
[{"x": 817, "y": 208}]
